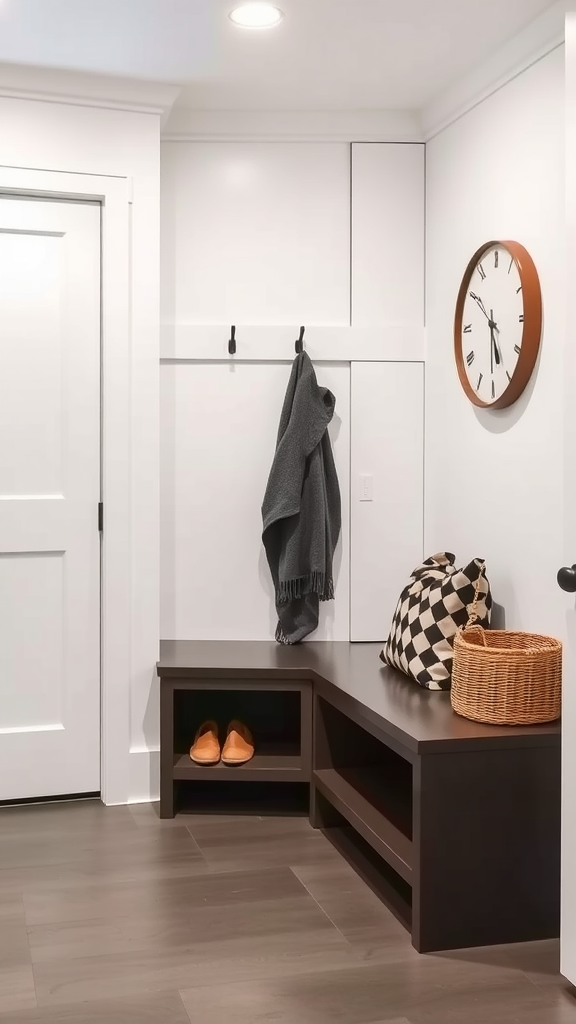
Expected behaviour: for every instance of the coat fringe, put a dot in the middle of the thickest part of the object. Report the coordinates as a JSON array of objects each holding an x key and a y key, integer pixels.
[{"x": 312, "y": 583}]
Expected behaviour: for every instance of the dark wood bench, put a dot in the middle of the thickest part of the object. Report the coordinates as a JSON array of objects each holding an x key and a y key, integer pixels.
[{"x": 456, "y": 825}]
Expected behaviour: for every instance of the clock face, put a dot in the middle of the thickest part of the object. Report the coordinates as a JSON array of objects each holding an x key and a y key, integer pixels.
[{"x": 498, "y": 324}]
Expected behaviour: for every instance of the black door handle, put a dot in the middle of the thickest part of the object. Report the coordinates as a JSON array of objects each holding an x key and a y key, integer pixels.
[{"x": 567, "y": 579}]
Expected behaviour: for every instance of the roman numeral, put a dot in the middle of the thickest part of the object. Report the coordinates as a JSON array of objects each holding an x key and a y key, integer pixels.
[
  {"x": 470, "y": 358},
  {"x": 496, "y": 259},
  {"x": 511, "y": 264},
  {"x": 521, "y": 318},
  {"x": 479, "y": 382},
  {"x": 508, "y": 375},
  {"x": 474, "y": 296},
  {"x": 493, "y": 390},
  {"x": 519, "y": 289},
  {"x": 467, "y": 328},
  {"x": 517, "y": 349},
  {"x": 481, "y": 271}
]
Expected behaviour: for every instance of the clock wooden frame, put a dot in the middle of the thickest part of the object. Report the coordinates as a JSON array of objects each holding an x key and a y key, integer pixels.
[{"x": 531, "y": 335}]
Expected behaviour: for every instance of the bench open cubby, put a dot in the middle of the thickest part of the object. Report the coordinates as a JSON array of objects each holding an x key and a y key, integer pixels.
[
  {"x": 279, "y": 718},
  {"x": 449, "y": 821},
  {"x": 367, "y": 783},
  {"x": 376, "y": 871}
]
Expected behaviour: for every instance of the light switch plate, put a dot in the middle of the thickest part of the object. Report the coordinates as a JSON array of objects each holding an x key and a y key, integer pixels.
[{"x": 366, "y": 487}]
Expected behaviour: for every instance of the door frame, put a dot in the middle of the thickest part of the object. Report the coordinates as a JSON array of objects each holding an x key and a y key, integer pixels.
[{"x": 114, "y": 195}]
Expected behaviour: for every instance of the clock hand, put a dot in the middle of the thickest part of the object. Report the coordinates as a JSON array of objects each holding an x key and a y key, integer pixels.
[
  {"x": 480, "y": 303},
  {"x": 494, "y": 349},
  {"x": 493, "y": 328},
  {"x": 491, "y": 352}
]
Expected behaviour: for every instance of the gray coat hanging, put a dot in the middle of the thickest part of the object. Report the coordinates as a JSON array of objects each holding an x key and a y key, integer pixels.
[{"x": 301, "y": 510}]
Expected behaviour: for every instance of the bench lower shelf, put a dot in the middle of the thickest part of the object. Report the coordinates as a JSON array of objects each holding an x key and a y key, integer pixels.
[
  {"x": 343, "y": 790},
  {"x": 281, "y": 763}
]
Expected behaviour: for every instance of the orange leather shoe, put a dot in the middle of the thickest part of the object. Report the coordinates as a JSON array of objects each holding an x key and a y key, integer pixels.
[
  {"x": 239, "y": 745},
  {"x": 206, "y": 746}
]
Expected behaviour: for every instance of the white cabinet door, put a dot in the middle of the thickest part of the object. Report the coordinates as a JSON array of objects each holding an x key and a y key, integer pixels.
[{"x": 49, "y": 492}]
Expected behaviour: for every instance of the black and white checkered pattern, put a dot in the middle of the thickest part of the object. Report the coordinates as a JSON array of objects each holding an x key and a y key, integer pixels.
[{"x": 435, "y": 604}]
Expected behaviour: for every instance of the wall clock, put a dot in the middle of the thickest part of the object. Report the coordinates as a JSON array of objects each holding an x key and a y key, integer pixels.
[{"x": 498, "y": 324}]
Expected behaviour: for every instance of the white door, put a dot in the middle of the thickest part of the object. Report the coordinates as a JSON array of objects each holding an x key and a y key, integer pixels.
[
  {"x": 568, "y": 925},
  {"x": 568, "y": 886},
  {"x": 49, "y": 492}
]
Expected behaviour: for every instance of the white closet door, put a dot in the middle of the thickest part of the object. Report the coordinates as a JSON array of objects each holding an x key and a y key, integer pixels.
[{"x": 49, "y": 491}]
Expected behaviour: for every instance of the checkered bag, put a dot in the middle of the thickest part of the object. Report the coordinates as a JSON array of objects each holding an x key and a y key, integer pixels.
[{"x": 438, "y": 601}]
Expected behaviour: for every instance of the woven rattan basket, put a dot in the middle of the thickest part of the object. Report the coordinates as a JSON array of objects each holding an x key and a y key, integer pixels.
[{"x": 505, "y": 678}]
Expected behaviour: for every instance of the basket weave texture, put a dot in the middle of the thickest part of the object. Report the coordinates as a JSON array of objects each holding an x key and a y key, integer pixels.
[{"x": 505, "y": 678}]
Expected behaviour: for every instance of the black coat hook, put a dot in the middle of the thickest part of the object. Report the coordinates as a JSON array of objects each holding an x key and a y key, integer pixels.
[
  {"x": 232, "y": 342},
  {"x": 299, "y": 346}
]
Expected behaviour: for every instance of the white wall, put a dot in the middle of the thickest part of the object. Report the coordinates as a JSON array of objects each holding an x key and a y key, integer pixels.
[
  {"x": 93, "y": 141},
  {"x": 259, "y": 234},
  {"x": 494, "y": 481},
  {"x": 255, "y": 233},
  {"x": 252, "y": 233},
  {"x": 219, "y": 425}
]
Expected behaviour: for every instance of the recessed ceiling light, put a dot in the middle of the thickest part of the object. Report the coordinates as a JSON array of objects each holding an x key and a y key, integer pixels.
[{"x": 256, "y": 15}]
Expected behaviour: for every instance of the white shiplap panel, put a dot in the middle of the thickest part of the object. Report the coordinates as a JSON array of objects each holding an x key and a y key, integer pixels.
[
  {"x": 387, "y": 234},
  {"x": 387, "y": 442},
  {"x": 218, "y": 434},
  {"x": 255, "y": 232}
]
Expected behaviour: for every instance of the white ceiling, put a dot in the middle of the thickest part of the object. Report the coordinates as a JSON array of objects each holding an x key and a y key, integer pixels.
[{"x": 326, "y": 54}]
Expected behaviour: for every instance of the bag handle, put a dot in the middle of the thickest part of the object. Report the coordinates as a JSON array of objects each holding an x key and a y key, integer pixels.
[{"x": 473, "y": 611}]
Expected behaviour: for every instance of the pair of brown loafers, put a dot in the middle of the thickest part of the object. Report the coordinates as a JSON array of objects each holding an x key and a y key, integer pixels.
[{"x": 238, "y": 747}]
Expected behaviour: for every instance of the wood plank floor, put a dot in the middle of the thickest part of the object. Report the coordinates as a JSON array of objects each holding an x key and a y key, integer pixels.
[{"x": 111, "y": 916}]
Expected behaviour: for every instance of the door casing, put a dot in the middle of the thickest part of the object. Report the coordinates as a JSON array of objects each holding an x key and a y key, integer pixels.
[{"x": 114, "y": 194}]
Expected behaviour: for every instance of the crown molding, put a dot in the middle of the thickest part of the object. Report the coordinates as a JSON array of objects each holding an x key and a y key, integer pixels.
[
  {"x": 184, "y": 124},
  {"x": 187, "y": 125},
  {"x": 534, "y": 42},
  {"x": 17, "y": 81}
]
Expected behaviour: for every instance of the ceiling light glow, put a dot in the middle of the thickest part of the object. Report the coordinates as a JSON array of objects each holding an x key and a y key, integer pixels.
[{"x": 256, "y": 15}]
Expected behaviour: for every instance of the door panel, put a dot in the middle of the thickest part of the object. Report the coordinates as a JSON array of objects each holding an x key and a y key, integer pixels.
[
  {"x": 49, "y": 490},
  {"x": 30, "y": 402}
]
